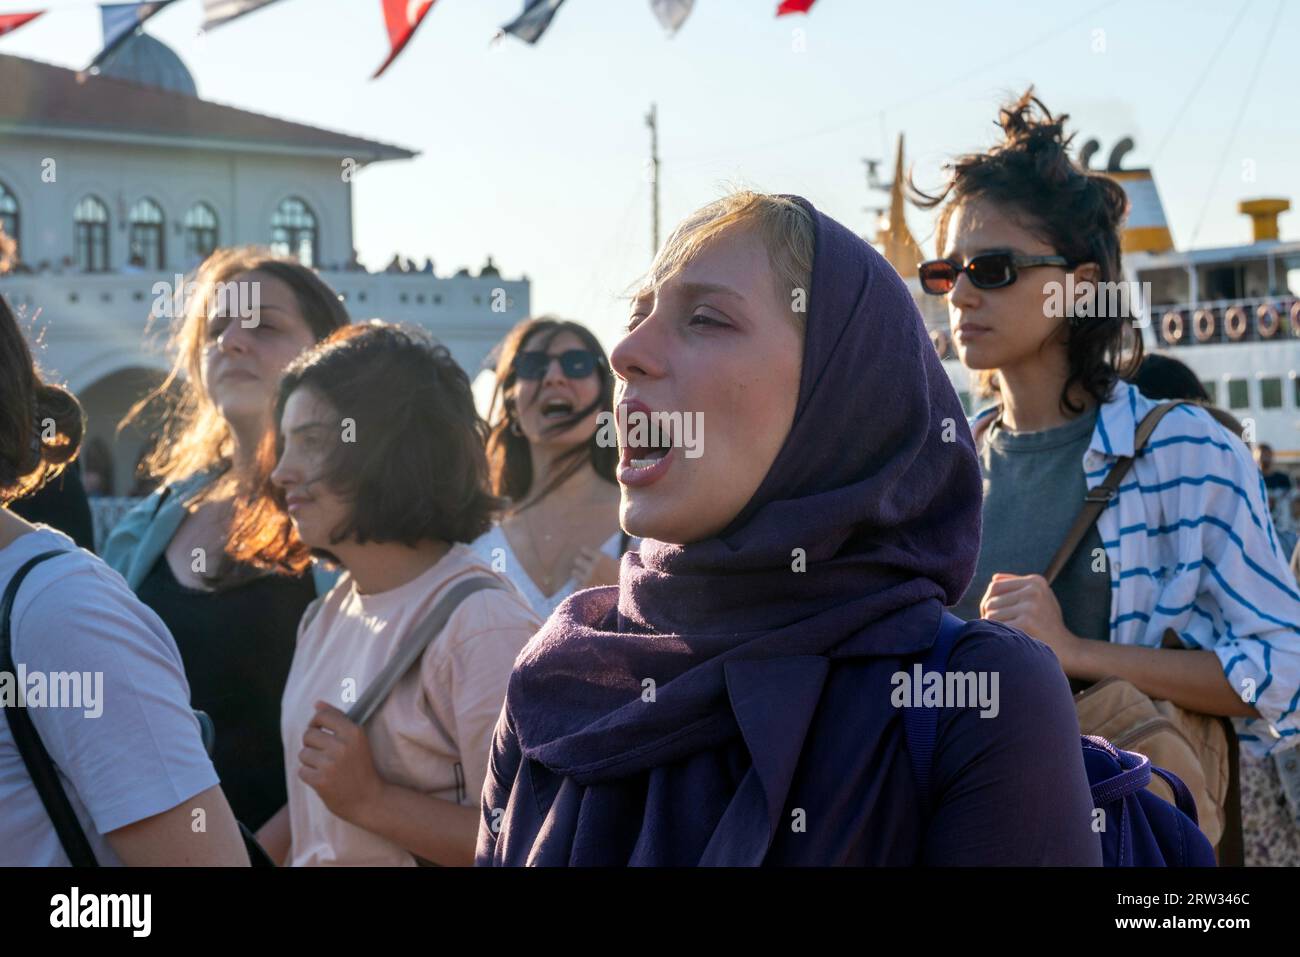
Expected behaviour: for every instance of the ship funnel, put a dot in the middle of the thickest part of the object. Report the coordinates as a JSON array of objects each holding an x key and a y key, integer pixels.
[
  {"x": 1263, "y": 215},
  {"x": 1087, "y": 152},
  {"x": 1117, "y": 154},
  {"x": 1146, "y": 230}
]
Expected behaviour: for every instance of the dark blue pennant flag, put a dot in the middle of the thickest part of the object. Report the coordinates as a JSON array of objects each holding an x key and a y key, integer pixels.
[
  {"x": 120, "y": 21},
  {"x": 532, "y": 23}
]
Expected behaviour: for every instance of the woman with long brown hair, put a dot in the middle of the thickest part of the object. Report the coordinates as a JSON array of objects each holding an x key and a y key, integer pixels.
[
  {"x": 244, "y": 319},
  {"x": 560, "y": 531}
]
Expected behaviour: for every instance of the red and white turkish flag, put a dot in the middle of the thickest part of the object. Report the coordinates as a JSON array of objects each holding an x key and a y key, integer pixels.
[
  {"x": 794, "y": 6},
  {"x": 401, "y": 17},
  {"x": 9, "y": 22}
]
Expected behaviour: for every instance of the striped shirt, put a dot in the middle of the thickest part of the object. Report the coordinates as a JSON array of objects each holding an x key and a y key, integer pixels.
[{"x": 1190, "y": 546}]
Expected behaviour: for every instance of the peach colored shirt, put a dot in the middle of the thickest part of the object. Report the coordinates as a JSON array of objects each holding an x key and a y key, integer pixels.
[{"x": 434, "y": 732}]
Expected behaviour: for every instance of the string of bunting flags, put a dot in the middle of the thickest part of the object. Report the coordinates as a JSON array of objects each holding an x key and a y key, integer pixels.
[{"x": 401, "y": 19}]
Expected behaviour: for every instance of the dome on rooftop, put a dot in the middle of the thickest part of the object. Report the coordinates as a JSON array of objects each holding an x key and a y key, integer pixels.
[{"x": 150, "y": 62}]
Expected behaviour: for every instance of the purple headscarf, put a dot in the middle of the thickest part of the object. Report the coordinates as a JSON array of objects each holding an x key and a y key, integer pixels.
[{"x": 877, "y": 483}]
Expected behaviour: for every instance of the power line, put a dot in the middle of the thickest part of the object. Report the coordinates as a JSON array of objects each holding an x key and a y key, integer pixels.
[
  {"x": 1241, "y": 14},
  {"x": 860, "y": 118},
  {"x": 1236, "y": 123}
]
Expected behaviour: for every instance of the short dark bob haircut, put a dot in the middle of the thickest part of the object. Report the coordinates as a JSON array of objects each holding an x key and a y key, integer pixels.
[{"x": 413, "y": 466}]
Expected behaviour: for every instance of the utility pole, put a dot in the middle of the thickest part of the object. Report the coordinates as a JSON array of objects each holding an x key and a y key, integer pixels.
[{"x": 652, "y": 121}]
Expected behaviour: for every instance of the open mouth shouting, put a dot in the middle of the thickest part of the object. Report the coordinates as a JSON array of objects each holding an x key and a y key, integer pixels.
[
  {"x": 556, "y": 410},
  {"x": 646, "y": 446}
]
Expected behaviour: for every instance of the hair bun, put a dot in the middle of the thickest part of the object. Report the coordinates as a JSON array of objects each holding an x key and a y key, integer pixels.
[
  {"x": 60, "y": 424},
  {"x": 1027, "y": 122}
]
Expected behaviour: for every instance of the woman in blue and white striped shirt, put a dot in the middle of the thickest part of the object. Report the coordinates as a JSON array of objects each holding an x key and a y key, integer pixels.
[{"x": 1188, "y": 544}]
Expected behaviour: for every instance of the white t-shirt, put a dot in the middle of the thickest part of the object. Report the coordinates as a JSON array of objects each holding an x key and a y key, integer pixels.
[
  {"x": 494, "y": 548},
  {"x": 433, "y": 733},
  {"x": 125, "y": 742}
]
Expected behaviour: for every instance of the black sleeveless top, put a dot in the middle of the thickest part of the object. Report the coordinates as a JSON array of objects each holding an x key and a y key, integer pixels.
[{"x": 236, "y": 645}]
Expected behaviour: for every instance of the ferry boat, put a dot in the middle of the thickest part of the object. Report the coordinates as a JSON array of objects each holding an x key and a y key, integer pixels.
[{"x": 1231, "y": 313}]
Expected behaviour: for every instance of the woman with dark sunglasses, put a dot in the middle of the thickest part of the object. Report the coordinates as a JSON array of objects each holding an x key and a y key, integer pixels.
[
  {"x": 1186, "y": 546},
  {"x": 560, "y": 531}
]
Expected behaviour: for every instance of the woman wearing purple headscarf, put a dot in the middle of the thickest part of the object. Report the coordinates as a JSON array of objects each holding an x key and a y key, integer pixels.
[{"x": 733, "y": 701}]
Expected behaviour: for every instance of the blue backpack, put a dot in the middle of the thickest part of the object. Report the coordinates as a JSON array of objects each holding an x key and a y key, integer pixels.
[{"x": 1142, "y": 829}]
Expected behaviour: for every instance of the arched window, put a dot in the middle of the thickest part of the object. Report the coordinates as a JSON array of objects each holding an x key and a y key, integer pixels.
[
  {"x": 91, "y": 235},
  {"x": 200, "y": 233},
  {"x": 8, "y": 213},
  {"x": 293, "y": 231},
  {"x": 145, "y": 239}
]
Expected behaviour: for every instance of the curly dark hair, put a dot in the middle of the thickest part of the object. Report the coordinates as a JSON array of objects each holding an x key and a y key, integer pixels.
[
  {"x": 416, "y": 470},
  {"x": 1078, "y": 212},
  {"x": 41, "y": 425}
]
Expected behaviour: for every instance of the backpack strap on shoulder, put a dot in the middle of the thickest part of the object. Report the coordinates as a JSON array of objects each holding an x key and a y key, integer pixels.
[
  {"x": 40, "y": 766},
  {"x": 414, "y": 644},
  {"x": 1097, "y": 498},
  {"x": 921, "y": 725}
]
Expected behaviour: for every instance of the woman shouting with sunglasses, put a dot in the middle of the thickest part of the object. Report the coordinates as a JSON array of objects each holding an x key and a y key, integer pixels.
[
  {"x": 1186, "y": 544},
  {"x": 560, "y": 532}
]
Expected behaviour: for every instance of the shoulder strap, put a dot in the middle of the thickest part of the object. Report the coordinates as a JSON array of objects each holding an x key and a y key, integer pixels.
[
  {"x": 921, "y": 725},
  {"x": 414, "y": 644},
  {"x": 38, "y": 761},
  {"x": 1099, "y": 496}
]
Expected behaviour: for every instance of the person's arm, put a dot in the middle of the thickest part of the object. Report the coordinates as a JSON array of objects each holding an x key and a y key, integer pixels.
[
  {"x": 1011, "y": 788},
  {"x": 171, "y": 839},
  {"x": 468, "y": 680},
  {"x": 276, "y": 836},
  {"x": 131, "y": 748},
  {"x": 1191, "y": 679},
  {"x": 337, "y": 763},
  {"x": 428, "y": 827}
]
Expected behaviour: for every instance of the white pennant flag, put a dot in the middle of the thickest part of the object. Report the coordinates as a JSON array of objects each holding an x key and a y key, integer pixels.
[
  {"x": 672, "y": 13},
  {"x": 217, "y": 12}
]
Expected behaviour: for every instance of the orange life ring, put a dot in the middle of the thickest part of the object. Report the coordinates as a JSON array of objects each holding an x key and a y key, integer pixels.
[
  {"x": 941, "y": 342},
  {"x": 1172, "y": 327},
  {"x": 1235, "y": 323},
  {"x": 1203, "y": 324},
  {"x": 1267, "y": 321}
]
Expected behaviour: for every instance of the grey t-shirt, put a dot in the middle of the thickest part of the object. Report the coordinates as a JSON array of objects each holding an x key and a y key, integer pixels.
[{"x": 1033, "y": 490}]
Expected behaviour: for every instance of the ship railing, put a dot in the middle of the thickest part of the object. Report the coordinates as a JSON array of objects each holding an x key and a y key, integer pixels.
[{"x": 1217, "y": 321}]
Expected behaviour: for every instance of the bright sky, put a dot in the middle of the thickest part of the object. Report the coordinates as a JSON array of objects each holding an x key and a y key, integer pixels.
[{"x": 538, "y": 155}]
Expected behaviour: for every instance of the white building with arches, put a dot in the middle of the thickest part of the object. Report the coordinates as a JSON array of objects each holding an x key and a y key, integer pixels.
[{"x": 113, "y": 183}]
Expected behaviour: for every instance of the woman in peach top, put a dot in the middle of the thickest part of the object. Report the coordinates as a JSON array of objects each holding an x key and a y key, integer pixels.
[{"x": 381, "y": 470}]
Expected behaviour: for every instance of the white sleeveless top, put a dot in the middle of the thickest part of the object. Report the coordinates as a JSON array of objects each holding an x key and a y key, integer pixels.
[{"x": 494, "y": 548}]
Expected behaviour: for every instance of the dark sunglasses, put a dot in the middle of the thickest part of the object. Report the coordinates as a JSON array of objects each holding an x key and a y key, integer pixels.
[
  {"x": 986, "y": 271},
  {"x": 575, "y": 363}
]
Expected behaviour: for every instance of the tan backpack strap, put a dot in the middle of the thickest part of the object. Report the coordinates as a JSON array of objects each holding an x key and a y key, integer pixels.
[
  {"x": 413, "y": 645},
  {"x": 1099, "y": 496}
]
